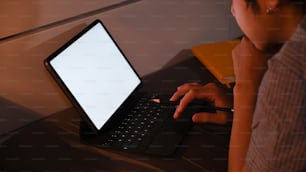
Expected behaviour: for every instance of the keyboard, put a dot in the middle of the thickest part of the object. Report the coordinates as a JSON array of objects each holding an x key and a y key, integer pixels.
[
  {"x": 144, "y": 127},
  {"x": 137, "y": 126}
]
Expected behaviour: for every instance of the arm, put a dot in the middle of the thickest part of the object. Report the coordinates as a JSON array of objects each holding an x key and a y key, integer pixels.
[{"x": 250, "y": 66}]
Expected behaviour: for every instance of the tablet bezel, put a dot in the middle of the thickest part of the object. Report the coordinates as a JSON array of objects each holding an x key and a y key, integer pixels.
[{"x": 67, "y": 92}]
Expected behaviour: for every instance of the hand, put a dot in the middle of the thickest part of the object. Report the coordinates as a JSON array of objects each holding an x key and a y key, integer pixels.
[
  {"x": 210, "y": 92},
  {"x": 250, "y": 63}
]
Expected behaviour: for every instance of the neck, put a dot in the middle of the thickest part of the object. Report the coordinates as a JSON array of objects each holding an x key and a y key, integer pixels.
[{"x": 287, "y": 20}]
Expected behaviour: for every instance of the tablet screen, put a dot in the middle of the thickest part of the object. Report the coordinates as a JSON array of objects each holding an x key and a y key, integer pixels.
[{"x": 96, "y": 73}]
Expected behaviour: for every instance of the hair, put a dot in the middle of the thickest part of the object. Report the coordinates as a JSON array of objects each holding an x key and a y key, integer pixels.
[{"x": 254, "y": 4}]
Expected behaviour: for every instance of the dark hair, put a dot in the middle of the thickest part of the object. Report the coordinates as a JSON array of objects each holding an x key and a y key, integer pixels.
[{"x": 254, "y": 4}]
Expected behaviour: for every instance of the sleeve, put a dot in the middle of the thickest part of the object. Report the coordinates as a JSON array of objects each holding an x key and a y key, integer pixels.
[{"x": 278, "y": 139}]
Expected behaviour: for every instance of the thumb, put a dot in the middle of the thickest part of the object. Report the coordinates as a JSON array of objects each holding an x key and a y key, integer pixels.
[{"x": 205, "y": 117}]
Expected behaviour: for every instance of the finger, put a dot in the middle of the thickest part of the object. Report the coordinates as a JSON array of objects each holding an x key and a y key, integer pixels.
[
  {"x": 176, "y": 96},
  {"x": 188, "y": 97},
  {"x": 181, "y": 90},
  {"x": 197, "y": 92},
  {"x": 216, "y": 118}
]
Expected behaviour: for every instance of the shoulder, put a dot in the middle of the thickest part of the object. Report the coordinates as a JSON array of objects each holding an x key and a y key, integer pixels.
[
  {"x": 278, "y": 127},
  {"x": 293, "y": 53}
]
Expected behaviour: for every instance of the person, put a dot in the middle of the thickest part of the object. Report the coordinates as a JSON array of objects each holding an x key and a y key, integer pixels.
[{"x": 269, "y": 100}]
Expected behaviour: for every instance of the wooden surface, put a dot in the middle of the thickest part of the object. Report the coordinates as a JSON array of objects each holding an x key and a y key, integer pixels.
[{"x": 53, "y": 143}]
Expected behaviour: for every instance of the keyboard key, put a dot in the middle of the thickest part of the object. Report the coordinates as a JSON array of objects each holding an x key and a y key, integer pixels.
[{"x": 136, "y": 125}]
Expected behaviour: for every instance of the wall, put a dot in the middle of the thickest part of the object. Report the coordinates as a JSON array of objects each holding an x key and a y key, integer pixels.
[{"x": 150, "y": 32}]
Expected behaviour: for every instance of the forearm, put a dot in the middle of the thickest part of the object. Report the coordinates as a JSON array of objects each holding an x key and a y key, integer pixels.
[
  {"x": 245, "y": 96},
  {"x": 250, "y": 65}
]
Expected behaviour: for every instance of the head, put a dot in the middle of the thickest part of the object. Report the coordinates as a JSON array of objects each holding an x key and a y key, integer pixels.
[{"x": 268, "y": 22}]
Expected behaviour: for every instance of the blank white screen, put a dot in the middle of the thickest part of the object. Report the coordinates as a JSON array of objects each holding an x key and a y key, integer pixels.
[{"x": 97, "y": 74}]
